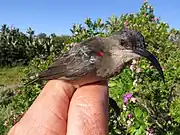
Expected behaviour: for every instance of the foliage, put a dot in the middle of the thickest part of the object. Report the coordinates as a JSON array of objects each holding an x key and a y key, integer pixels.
[
  {"x": 147, "y": 105},
  {"x": 11, "y": 76},
  {"x": 19, "y": 48}
]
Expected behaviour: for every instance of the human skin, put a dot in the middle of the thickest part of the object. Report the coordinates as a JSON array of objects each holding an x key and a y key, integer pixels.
[{"x": 60, "y": 109}]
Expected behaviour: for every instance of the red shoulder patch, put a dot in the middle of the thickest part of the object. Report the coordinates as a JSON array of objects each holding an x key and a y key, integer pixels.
[{"x": 100, "y": 54}]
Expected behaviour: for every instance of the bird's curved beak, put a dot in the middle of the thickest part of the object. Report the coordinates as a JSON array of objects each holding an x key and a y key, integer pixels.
[{"x": 145, "y": 53}]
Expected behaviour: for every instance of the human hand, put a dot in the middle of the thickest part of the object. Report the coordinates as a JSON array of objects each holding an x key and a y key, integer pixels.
[{"x": 60, "y": 109}]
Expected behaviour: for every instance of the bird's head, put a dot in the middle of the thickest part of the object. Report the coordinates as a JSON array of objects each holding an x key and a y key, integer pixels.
[{"x": 133, "y": 42}]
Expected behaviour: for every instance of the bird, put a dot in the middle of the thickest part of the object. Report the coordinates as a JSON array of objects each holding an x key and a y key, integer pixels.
[
  {"x": 105, "y": 57},
  {"x": 102, "y": 57}
]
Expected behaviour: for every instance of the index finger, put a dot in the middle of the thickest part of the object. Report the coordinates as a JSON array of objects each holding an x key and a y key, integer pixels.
[{"x": 88, "y": 110}]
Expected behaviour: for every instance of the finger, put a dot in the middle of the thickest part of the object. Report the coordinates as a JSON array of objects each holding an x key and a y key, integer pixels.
[
  {"x": 88, "y": 110},
  {"x": 48, "y": 114}
]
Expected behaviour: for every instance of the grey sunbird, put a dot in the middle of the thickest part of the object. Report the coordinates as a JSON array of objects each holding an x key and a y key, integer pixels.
[{"x": 104, "y": 57}]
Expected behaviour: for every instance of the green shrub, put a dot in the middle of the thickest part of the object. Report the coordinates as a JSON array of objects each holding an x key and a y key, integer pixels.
[
  {"x": 18, "y": 48},
  {"x": 147, "y": 105}
]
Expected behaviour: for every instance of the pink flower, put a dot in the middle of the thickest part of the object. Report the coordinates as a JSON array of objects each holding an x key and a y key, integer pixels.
[
  {"x": 130, "y": 115},
  {"x": 132, "y": 67},
  {"x": 138, "y": 70},
  {"x": 133, "y": 99},
  {"x": 127, "y": 97}
]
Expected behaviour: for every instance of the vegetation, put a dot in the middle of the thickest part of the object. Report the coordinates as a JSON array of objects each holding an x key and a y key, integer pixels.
[
  {"x": 18, "y": 48},
  {"x": 11, "y": 76},
  {"x": 147, "y": 105}
]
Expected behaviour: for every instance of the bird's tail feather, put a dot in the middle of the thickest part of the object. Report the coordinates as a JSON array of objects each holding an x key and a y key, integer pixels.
[{"x": 31, "y": 81}]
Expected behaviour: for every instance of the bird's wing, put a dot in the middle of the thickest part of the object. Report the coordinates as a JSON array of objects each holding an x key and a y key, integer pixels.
[{"x": 78, "y": 61}]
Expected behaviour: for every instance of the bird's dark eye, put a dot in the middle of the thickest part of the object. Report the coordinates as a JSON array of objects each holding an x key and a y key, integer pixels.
[{"x": 126, "y": 44}]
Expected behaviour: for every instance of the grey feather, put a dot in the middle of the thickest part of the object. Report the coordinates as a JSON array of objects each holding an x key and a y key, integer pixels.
[{"x": 77, "y": 62}]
